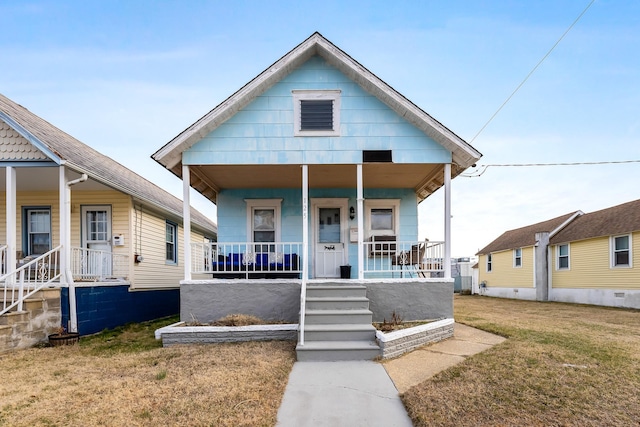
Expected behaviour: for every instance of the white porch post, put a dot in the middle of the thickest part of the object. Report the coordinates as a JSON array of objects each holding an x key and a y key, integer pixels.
[
  {"x": 447, "y": 220},
  {"x": 360, "y": 200},
  {"x": 305, "y": 223},
  {"x": 186, "y": 219},
  {"x": 11, "y": 218},
  {"x": 64, "y": 194}
]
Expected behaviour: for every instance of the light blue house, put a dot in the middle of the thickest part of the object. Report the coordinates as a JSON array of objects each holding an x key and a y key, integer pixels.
[{"x": 317, "y": 168}]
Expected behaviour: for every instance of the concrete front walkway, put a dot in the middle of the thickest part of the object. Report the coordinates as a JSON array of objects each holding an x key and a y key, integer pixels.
[
  {"x": 423, "y": 363},
  {"x": 363, "y": 393},
  {"x": 352, "y": 393}
]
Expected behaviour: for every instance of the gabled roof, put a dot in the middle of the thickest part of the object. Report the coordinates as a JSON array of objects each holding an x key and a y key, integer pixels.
[
  {"x": 62, "y": 148},
  {"x": 526, "y": 236},
  {"x": 464, "y": 155},
  {"x": 620, "y": 219}
]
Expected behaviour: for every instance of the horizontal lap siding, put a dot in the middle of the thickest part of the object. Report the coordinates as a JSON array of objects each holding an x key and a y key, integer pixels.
[
  {"x": 590, "y": 268},
  {"x": 504, "y": 274}
]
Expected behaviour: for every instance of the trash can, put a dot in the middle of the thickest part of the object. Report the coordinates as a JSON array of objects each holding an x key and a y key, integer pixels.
[{"x": 345, "y": 272}]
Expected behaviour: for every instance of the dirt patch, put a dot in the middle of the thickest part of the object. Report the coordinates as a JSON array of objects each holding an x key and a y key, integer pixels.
[{"x": 236, "y": 320}]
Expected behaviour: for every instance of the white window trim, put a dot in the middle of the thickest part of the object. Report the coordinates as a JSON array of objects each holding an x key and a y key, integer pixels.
[
  {"x": 253, "y": 204},
  {"x": 299, "y": 95},
  {"x": 175, "y": 243},
  {"x": 568, "y": 267},
  {"x": 382, "y": 204},
  {"x": 612, "y": 244},
  {"x": 516, "y": 256},
  {"x": 489, "y": 264}
]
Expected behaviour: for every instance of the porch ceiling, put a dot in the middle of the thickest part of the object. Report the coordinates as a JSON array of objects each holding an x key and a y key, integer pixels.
[
  {"x": 45, "y": 179},
  {"x": 423, "y": 178}
]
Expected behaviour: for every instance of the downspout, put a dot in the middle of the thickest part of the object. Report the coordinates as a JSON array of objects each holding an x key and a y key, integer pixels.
[{"x": 65, "y": 241}]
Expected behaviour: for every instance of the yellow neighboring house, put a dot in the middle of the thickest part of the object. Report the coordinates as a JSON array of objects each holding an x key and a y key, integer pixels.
[
  {"x": 583, "y": 258},
  {"x": 96, "y": 226}
]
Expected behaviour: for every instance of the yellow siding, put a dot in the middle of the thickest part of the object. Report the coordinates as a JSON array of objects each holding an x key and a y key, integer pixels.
[
  {"x": 149, "y": 230},
  {"x": 589, "y": 266},
  {"x": 503, "y": 274}
]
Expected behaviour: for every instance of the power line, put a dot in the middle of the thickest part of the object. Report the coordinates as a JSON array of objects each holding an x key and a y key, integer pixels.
[
  {"x": 531, "y": 72},
  {"x": 483, "y": 168}
]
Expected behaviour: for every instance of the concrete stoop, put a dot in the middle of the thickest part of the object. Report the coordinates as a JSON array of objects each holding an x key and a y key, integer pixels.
[
  {"x": 338, "y": 325},
  {"x": 40, "y": 316}
]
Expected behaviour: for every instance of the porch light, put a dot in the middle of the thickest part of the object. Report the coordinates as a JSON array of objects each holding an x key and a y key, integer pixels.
[{"x": 352, "y": 212}]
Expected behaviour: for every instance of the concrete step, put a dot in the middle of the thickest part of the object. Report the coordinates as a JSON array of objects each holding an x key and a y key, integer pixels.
[
  {"x": 351, "y": 317},
  {"x": 337, "y": 350},
  {"x": 337, "y": 303},
  {"x": 339, "y": 332},
  {"x": 336, "y": 291},
  {"x": 33, "y": 304},
  {"x": 6, "y": 330},
  {"x": 14, "y": 317}
]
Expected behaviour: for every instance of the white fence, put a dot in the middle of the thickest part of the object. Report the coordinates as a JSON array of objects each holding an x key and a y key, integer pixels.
[
  {"x": 395, "y": 259},
  {"x": 89, "y": 264},
  {"x": 249, "y": 260}
]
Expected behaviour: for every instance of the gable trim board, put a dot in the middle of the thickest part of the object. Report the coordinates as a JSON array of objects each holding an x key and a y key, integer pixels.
[{"x": 170, "y": 155}]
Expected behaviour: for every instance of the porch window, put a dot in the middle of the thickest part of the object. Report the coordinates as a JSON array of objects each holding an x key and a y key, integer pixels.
[
  {"x": 562, "y": 252},
  {"x": 621, "y": 251},
  {"x": 263, "y": 221},
  {"x": 382, "y": 217},
  {"x": 38, "y": 230},
  {"x": 489, "y": 261},
  {"x": 171, "y": 243},
  {"x": 316, "y": 112},
  {"x": 517, "y": 257}
]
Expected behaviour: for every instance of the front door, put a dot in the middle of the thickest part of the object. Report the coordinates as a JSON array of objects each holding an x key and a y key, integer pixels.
[
  {"x": 330, "y": 225},
  {"x": 96, "y": 238}
]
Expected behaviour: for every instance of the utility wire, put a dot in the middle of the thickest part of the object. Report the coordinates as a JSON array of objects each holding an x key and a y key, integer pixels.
[
  {"x": 483, "y": 168},
  {"x": 532, "y": 71}
]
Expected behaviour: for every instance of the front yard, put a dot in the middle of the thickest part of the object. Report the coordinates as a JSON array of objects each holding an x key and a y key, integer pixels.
[
  {"x": 563, "y": 364},
  {"x": 124, "y": 378}
]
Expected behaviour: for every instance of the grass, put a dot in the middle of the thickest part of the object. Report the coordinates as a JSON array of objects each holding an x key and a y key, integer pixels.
[
  {"x": 125, "y": 377},
  {"x": 563, "y": 364}
]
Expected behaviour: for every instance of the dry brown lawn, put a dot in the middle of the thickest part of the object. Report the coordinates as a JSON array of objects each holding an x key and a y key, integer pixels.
[
  {"x": 563, "y": 365},
  {"x": 123, "y": 379}
]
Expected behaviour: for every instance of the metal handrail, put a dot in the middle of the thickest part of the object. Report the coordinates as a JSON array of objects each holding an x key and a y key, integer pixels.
[
  {"x": 40, "y": 272},
  {"x": 303, "y": 303}
]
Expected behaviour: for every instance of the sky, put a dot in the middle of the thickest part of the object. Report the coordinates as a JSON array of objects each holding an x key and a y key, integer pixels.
[{"x": 125, "y": 77}]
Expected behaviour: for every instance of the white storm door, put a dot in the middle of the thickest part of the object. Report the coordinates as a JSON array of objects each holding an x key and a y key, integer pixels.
[
  {"x": 96, "y": 238},
  {"x": 329, "y": 225}
]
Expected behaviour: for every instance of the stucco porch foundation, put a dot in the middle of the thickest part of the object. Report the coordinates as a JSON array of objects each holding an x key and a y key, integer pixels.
[{"x": 279, "y": 299}]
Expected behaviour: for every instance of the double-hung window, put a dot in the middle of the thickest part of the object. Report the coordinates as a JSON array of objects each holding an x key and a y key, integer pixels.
[
  {"x": 562, "y": 257},
  {"x": 263, "y": 222},
  {"x": 171, "y": 243},
  {"x": 382, "y": 217},
  {"x": 621, "y": 251},
  {"x": 37, "y": 230},
  {"x": 489, "y": 263},
  {"x": 517, "y": 257},
  {"x": 316, "y": 112}
]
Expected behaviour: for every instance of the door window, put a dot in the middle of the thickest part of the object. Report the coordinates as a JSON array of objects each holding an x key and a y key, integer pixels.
[{"x": 329, "y": 225}]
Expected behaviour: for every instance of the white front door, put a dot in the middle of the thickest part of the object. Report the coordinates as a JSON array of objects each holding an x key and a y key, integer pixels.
[
  {"x": 329, "y": 236},
  {"x": 96, "y": 238}
]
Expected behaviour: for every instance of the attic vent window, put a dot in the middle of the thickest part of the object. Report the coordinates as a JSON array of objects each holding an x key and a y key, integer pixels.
[{"x": 316, "y": 112}]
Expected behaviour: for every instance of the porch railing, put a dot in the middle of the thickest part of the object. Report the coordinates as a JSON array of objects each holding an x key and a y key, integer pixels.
[
  {"x": 395, "y": 259},
  {"x": 95, "y": 265},
  {"x": 247, "y": 260},
  {"x": 28, "y": 279},
  {"x": 3, "y": 259}
]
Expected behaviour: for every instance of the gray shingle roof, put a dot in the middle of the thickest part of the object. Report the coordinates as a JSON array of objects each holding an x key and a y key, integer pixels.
[
  {"x": 620, "y": 219},
  {"x": 81, "y": 157},
  {"x": 525, "y": 236}
]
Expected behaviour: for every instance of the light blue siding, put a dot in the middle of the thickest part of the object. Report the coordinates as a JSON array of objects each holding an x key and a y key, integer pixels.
[{"x": 262, "y": 133}]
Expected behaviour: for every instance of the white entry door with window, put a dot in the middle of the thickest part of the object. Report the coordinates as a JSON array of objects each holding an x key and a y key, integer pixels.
[
  {"x": 329, "y": 236},
  {"x": 96, "y": 237}
]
